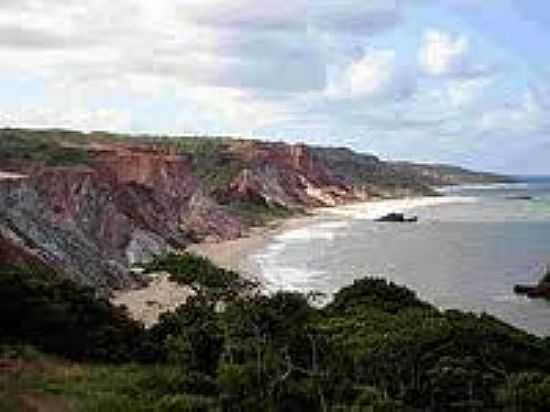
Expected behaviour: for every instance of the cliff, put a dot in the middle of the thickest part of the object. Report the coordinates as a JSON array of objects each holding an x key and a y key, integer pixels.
[
  {"x": 92, "y": 222},
  {"x": 91, "y": 206}
]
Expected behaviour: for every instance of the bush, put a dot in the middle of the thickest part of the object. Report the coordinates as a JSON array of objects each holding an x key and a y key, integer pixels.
[
  {"x": 57, "y": 316},
  {"x": 376, "y": 293}
]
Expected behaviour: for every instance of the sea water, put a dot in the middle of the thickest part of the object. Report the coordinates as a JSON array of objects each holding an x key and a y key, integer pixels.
[{"x": 467, "y": 251}]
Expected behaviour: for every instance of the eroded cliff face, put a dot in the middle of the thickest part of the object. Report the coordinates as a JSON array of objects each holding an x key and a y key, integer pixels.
[
  {"x": 94, "y": 222},
  {"x": 288, "y": 176},
  {"x": 91, "y": 206}
]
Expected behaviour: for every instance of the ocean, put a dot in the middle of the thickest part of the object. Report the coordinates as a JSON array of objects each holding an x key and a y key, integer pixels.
[{"x": 467, "y": 251}]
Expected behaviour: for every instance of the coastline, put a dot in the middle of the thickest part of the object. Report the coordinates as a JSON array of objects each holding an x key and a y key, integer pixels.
[
  {"x": 230, "y": 254},
  {"x": 161, "y": 295}
]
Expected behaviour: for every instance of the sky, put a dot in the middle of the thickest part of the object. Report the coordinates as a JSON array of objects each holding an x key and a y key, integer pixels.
[{"x": 459, "y": 81}]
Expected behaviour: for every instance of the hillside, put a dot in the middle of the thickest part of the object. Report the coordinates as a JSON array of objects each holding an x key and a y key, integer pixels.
[
  {"x": 92, "y": 205},
  {"x": 375, "y": 347},
  {"x": 446, "y": 175}
]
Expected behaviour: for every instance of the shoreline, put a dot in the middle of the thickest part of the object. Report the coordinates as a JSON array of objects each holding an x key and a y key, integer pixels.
[
  {"x": 231, "y": 254},
  {"x": 161, "y": 295}
]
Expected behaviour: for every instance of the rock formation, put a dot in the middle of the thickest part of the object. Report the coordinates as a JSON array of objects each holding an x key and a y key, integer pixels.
[{"x": 91, "y": 206}]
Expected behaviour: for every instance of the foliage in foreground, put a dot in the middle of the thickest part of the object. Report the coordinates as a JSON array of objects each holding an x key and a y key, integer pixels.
[
  {"x": 57, "y": 316},
  {"x": 375, "y": 347}
]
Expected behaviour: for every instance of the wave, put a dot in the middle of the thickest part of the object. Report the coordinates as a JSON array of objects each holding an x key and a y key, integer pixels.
[
  {"x": 378, "y": 209},
  {"x": 486, "y": 186},
  {"x": 321, "y": 231}
]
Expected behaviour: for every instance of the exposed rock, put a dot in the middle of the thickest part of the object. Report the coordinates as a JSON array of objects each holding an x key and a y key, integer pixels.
[
  {"x": 144, "y": 246},
  {"x": 520, "y": 198},
  {"x": 397, "y": 218},
  {"x": 92, "y": 222},
  {"x": 284, "y": 175},
  {"x": 542, "y": 290}
]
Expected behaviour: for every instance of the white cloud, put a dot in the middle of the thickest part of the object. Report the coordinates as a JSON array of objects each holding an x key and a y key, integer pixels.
[
  {"x": 442, "y": 54},
  {"x": 375, "y": 74},
  {"x": 217, "y": 57},
  {"x": 236, "y": 111},
  {"x": 463, "y": 92},
  {"x": 371, "y": 74},
  {"x": 81, "y": 119}
]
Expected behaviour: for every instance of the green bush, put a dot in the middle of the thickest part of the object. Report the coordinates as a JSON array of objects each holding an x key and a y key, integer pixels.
[{"x": 57, "y": 316}]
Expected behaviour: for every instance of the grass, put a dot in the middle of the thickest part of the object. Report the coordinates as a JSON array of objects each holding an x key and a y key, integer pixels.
[
  {"x": 98, "y": 388},
  {"x": 43, "y": 147}
]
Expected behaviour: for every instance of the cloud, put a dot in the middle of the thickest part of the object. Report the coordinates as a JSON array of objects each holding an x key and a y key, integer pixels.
[
  {"x": 245, "y": 14},
  {"x": 463, "y": 92},
  {"x": 63, "y": 117},
  {"x": 529, "y": 115},
  {"x": 440, "y": 54},
  {"x": 241, "y": 62},
  {"x": 374, "y": 74},
  {"x": 361, "y": 17}
]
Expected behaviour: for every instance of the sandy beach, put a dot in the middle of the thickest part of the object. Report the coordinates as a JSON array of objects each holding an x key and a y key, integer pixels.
[{"x": 230, "y": 254}]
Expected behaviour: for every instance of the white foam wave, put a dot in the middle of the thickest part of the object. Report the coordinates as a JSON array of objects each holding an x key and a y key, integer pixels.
[
  {"x": 508, "y": 298},
  {"x": 489, "y": 186},
  {"x": 377, "y": 209},
  {"x": 320, "y": 231},
  {"x": 278, "y": 277}
]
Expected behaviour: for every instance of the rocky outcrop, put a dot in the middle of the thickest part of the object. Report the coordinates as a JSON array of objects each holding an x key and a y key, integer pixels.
[
  {"x": 540, "y": 290},
  {"x": 92, "y": 223},
  {"x": 289, "y": 176},
  {"x": 397, "y": 218}
]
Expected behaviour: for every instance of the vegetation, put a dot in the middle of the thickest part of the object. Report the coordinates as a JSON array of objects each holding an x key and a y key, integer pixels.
[
  {"x": 212, "y": 162},
  {"x": 260, "y": 213},
  {"x": 375, "y": 347},
  {"x": 44, "y": 147},
  {"x": 210, "y": 283},
  {"x": 57, "y": 316}
]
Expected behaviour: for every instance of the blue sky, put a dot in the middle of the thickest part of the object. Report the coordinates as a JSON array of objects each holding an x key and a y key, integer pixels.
[{"x": 461, "y": 81}]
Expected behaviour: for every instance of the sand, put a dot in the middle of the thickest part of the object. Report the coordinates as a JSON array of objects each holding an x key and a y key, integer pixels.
[
  {"x": 230, "y": 254},
  {"x": 147, "y": 304}
]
